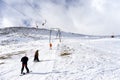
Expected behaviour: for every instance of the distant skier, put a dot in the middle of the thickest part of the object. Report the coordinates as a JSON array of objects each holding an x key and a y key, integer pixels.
[
  {"x": 24, "y": 61},
  {"x": 50, "y": 45},
  {"x": 36, "y": 59}
]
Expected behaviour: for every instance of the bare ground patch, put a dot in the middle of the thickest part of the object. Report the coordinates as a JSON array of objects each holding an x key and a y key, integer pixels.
[
  {"x": 2, "y": 63},
  {"x": 9, "y": 55}
]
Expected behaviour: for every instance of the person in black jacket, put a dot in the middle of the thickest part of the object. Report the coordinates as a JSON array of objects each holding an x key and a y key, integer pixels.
[
  {"x": 24, "y": 61},
  {"x": 36, "y": 59}
]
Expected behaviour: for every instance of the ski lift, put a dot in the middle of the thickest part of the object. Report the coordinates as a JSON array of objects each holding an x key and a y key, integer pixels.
[
  {"x": 50, "y": 36},
  {"x": 36, "y": 25},
  {"x": 44, "y": 23}
]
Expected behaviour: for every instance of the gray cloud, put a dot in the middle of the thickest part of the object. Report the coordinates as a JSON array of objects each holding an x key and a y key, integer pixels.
[{"x": 97, "y": 17}]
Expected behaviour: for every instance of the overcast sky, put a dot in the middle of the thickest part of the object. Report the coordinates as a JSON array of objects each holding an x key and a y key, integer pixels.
[{"x": 94, "y": 17}]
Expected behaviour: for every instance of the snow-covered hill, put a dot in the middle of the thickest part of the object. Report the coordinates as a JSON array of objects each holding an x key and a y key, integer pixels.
[
  {"x": 35, "y": 31},
  {"x": 12, "y": 35},
  {"x": 72, "y": 59},
  {"x": 17, "y": 34}
]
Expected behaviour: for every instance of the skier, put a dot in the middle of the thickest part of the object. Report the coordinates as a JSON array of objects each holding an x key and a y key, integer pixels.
[
  {"x": 36, "y": 59},
  {"x": 50, "y": 45},
  {"x": 24, "y": 61}
]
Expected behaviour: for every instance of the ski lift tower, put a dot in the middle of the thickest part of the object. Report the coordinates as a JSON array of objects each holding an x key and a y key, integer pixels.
[{"x": 58, "y": 34}]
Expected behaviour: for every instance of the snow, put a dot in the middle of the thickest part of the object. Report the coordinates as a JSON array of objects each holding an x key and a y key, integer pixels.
[{"x": 88, "y": 59}]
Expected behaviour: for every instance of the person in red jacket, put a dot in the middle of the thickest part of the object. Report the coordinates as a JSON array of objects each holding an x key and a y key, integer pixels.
[
  {"x": 50, "y": 45},
  {"x": 24, "y": 61}
]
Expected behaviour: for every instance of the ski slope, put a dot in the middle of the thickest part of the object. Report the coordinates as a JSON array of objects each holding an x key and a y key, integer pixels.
[{"x": 89, "y": 59}]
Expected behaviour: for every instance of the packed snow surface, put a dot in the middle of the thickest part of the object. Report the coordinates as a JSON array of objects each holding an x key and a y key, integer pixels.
[{"x": 86, "y": 59}]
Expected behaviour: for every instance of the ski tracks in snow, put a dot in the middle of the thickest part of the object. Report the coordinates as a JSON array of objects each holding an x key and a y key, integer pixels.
[
  {"x": 99, "y": 64},
  {"x": 84, "y": 63}
]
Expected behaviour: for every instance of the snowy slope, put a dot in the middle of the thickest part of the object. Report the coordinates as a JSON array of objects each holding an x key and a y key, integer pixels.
[
  {"x": 13, "y": 35},
  {"x": 88, "y": 59}
]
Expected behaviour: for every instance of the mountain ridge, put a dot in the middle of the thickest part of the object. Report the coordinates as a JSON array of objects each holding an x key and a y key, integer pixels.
[{"x": 42, "y": 31}]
